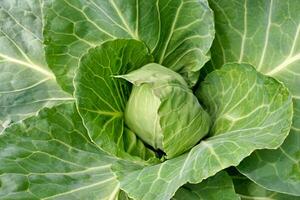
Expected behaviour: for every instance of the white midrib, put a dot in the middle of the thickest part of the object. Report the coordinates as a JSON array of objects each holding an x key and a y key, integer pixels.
[
  {"x": 291, "y": 58},
  {"x": 213, "y": 153},
  {"x": 73, "y": 172},
  {"x": 245, "y": 32},
  {"x": 171, "y": 33},
  {"x": 266, "y": 37},
  {"x": 123, "y": 20},
  {"x": 81, "y": 188},
  {"x": 29, "y": 65},
  {"x": 284, "y": 64}
]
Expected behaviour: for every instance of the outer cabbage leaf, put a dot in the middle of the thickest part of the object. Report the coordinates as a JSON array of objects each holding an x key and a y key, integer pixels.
[
  {"x": 26, "y": 83},
  {"x": 217, "y": 187},
  {"x": 270, "y": 41},
  {"x": 50, "y": 156},
  {"x": 101, "y": 98},
  {"x": 178, "y": 33},
  {"x": 231, "y": 86},
  {"x": 278, "y": 169},
  {"x": 247, "y": 189}
]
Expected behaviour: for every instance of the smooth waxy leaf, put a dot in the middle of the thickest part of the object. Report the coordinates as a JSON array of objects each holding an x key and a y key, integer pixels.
[
  {"x": 153, "y": 73},
  {"x": 101, "y": 98},
  {"x": 51, "y": 157},
  {"x": 179, "y": 35},
  {"x": 280, "y": 167},
  {"x": 238, "y": 85},
  {"x": 217, "y": 187},
  {"x": 123, "y": 196},
  {"x": 163, "y": 111},
  {"x": 26, "y": 84},
  {"x": 270, "y": 41},
  {"x": 228, "y": 147},
  {"x": 247, "y": 189}
]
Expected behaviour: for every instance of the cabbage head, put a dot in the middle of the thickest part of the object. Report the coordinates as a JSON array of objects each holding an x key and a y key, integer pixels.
[{"x": 163, "y": 111}]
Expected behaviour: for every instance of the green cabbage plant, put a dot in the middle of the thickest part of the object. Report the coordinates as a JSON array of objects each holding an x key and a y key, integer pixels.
[{"x": 149, "y": 99}]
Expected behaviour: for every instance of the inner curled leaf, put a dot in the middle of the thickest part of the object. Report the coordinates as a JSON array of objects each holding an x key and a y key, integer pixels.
[{"x": 163, "y": 111}]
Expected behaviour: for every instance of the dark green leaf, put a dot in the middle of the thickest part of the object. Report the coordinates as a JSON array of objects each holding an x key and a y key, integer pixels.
[
  {"x": 101, "y": 98},
  {"x": 218, "y": 187},
  {"x": 266, "y": 34},
  {"x": 50, "y": 157},
  {"x": 248, "y": 190},
  {"x": 26, "y": 83},
  {"x": 178, "y": 33}
]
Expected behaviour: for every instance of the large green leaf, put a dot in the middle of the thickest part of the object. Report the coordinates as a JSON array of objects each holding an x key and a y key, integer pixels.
[
  {"x": 50, "y": 157},
  {"x": 266, "y": 34},
  {"x": 238, "y": 97},
  {"x": 101, "y": 98},
  {"x": 26, "y": 84},
  {"x": 178, "y": 33},
  {"x": 276, "y": 169},
  {"x": 248, "y": 190},
  {"x": 217, "y": 187},
  {"x": 223, "y": 90}
]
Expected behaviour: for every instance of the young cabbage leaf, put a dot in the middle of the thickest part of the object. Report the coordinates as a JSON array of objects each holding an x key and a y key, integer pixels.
[
  {"x": 163, "y": 111},
  {"x": 101, "y": 98}
]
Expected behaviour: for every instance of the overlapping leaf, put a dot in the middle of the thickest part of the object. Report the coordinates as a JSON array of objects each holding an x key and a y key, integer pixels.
[
  {"x": 217, "y": 187},
  {"x": 267, "y": 35},
  {"x": 26, "y": 84},
  {"x": 50, "y": 157},
  {"x": 178, "y": 33},
  {"x": 247, "y": 189},
  {"x": 277, "y": 169},
  {"x": 101, "y": 98}
]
